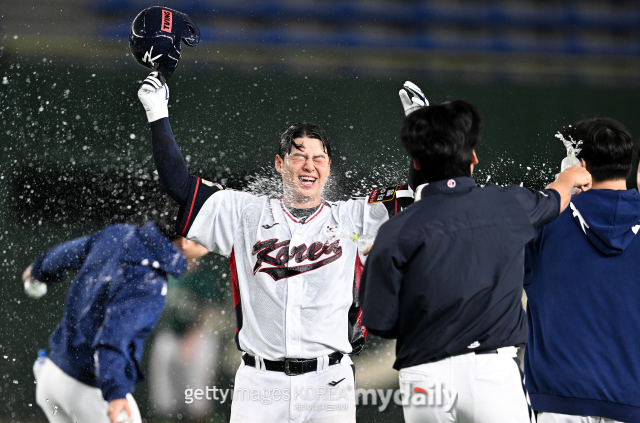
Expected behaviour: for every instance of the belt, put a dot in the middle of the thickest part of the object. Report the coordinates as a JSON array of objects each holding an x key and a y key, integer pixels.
[
  {"x": 292, "y": 366},
  {"x": 486, "y": 352}
]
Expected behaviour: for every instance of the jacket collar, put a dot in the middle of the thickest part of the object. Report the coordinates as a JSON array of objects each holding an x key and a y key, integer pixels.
[{"x": 445, "y": 186}]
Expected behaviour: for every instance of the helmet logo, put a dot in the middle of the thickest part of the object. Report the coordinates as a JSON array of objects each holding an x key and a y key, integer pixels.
[
  {"x": 147, "y": 57},
  {"x": 167, "y": 21}
]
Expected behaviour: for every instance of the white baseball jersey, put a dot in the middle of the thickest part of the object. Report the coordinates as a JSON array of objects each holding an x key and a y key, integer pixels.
[{"x": 294, "y": 288}]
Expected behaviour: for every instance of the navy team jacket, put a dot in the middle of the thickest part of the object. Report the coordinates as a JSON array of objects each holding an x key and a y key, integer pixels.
[
  {"x": 113, "y": 303},
  {"x": 583, "y": 284}
]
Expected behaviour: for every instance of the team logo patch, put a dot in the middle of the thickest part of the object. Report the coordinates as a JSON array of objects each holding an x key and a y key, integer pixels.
[
  {"x": 277, "y": 255},
  {"x": 167, "y": 21},
  {"x": 381, "y": 195},
  {"x": 451, "y": 183},
  {"x": 211, "y": 184},
  {"x": 148, "y": 57}
]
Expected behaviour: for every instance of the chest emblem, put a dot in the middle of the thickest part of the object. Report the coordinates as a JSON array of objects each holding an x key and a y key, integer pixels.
[{"x": 274, "y": 257}]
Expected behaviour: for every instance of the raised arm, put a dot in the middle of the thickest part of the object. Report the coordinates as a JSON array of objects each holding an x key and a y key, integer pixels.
[
  {"x": 172, "y": 169},
  {"x": 190, "y": 192}
]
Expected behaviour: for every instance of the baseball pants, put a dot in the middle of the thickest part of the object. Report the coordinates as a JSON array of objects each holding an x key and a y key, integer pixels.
[
  {"x": 565, "y": 418},
  {"x": 324, "y": 396},
  {"x": 469, "y": 388},
  {"x": 65, "y": 400}
]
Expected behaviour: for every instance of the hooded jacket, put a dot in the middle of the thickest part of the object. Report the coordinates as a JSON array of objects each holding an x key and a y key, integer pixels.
[
  {"x": 113, "y": 303},
  {"x": 582, "y": 278}
]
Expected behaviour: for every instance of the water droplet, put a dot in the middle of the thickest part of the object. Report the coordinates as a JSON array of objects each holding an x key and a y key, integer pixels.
[
  {"x": 55, "y": 410},
  {"x": 15, "y": 382}
]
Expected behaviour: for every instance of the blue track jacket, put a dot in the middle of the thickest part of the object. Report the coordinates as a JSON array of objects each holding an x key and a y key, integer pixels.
[
  {"x": 583, "y": 284},
  {"x": 113, "y": 303}
]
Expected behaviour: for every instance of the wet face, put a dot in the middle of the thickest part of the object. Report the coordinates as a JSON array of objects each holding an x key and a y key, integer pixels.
[{"x": 304, "y": 172}]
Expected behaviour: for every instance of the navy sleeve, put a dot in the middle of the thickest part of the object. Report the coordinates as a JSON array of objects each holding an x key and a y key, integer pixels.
[
  {"x": 380, "y": 289},
  {"x": 172, "y": 169},
  {"x": 54, "y": 264},
  {"x": 541, "y": 206},
  {"x": 190, "y": 192}
]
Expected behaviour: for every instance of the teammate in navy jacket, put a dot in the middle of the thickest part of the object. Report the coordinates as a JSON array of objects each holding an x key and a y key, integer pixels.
[
  {"x": 112, "y": 305},
  {"x": 583, "y": 284},
  {"x": 444, "y": 276}
]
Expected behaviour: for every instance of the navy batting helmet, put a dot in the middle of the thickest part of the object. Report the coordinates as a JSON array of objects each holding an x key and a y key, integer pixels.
[{"x": 155, "y": 37}]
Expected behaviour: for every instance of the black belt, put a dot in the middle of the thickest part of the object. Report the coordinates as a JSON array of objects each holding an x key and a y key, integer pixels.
[
  {"x": 486, "y": 352},
  {"x": 292, "y": 366}
]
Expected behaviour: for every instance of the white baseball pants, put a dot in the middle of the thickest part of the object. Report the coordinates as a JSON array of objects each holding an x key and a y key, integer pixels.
[
  {"x": 324, "y": 396},
  {"x": 65, "y": 400},
  {"x": 469, "y": 388}
]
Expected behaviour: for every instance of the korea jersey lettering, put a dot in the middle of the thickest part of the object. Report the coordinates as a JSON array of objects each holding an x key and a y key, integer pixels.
[{"x": 295, "y": 284}]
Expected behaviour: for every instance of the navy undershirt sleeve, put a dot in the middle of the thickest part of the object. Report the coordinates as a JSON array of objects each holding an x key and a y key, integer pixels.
[
  {"x": 190, "y": 192},
  {"x": 172, "y": 168}
]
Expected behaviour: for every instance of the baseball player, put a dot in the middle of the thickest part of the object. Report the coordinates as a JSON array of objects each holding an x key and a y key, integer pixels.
[
  {"x": 446, "y": 280},
  {"x": 295, "y": 277},
  {"x": 112, "y": 305},
  {"x": 583, "y": 283}
]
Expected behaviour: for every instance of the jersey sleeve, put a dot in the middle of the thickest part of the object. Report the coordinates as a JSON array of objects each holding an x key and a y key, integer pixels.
[
  {"x": 541, "y": 206},
  {"x": 214, "y": 220},
  {"x": 199, "y": 192}
]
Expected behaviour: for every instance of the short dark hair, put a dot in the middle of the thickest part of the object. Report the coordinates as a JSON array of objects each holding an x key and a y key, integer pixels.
[
  {"x": 302, "y": 130},
  {"x": 166, "y": 218},
  {"x": 441, "y": 138},
  {"x": 607, "y": 147}
]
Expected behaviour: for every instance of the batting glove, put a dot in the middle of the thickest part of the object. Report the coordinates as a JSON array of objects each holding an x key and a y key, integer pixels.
[
  {"x": 417, "y": 101},
  {"x": 154, "y": 96}
]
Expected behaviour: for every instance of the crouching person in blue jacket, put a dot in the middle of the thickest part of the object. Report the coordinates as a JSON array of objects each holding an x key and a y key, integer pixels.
[
  {"x": 583, "y": 286},
  {"x": 112, "y": 305}
]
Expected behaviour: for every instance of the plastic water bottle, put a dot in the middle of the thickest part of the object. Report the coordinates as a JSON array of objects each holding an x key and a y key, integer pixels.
[
  {"x": 362, "y": 241},
  {"x": 34, "y": 288},
  {"x": 569, "y": 161},
  {"x": 573, "y": 148},
  {"x": 37, "y": 366},
  {"x": 42, "y": 357}
]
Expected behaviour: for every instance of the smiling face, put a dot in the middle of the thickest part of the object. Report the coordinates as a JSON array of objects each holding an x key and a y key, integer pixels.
[{"x": 304, "y": 172}]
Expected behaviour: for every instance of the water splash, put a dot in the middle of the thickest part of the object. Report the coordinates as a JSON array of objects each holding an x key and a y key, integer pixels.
[{"x": 570, "y": 144}]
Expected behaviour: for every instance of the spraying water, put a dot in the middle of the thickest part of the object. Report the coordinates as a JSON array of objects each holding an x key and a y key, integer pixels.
[{"x": 573, "y": 150}]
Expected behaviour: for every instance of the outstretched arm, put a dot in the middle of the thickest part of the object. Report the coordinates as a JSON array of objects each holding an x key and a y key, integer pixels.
[{"x": 54, "y": 264}]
